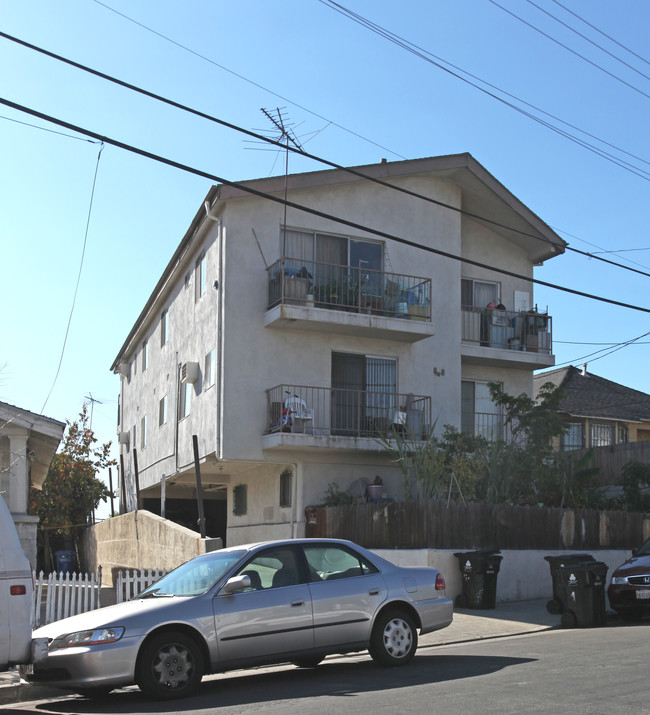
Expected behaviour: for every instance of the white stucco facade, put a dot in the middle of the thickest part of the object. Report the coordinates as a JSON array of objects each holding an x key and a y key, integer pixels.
[{"x": 215, "y": 294}]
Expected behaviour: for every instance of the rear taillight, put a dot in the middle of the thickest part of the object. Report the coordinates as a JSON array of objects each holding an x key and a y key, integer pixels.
[
  {"x": 440, "y": 583},
  {"x": 21, "y": 590}
]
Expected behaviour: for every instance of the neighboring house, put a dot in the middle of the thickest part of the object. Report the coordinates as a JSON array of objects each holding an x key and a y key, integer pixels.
[
  {"x": 28, "y": 442},
  {"x": 288, "y": 342},
  {"x": 598, "y": 412}
]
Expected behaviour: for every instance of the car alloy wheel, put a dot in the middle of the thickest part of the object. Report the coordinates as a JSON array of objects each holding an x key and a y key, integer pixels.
[
  {"x": 170, "y": 665},
  {"x": 394, "y": 639}
]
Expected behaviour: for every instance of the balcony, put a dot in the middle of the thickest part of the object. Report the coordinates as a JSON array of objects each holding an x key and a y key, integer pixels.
[
  {"x": 504, "y": 337},
  {"x": 331, "y": 298},
  {"x": 301, "y": 417},
  {"x": 489, "y": 425}
]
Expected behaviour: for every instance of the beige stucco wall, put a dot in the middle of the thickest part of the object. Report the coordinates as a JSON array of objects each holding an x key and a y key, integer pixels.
[
  {"x": 140, "y": 540},
  {"x": 230, "y": 417}
]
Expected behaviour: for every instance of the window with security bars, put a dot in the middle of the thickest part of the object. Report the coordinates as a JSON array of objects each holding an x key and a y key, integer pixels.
[
  {"x": 364, "y": 393},
  {"x": 601, "y": 435},
  {"x": 480, "y": 416},
  {"x": 573, "y": 436}
]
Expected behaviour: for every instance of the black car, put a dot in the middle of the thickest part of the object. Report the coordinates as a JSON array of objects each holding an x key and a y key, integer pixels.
[{"x": 629, "y": 589}]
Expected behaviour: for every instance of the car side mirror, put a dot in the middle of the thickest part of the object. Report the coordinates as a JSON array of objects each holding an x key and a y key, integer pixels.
[{"x": 236, "y": 584}]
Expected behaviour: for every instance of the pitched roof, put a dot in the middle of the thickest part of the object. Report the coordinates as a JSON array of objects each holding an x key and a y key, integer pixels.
[{"x": 588, "y": 395}]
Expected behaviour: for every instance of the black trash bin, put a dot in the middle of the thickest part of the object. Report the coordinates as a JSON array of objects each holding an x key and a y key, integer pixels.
[
  {"x": 479, "y": 570},
  {"x": 65, "y": 561},
  {"x": 584, "y": 586},
  {"x": 558, "y": 603}
]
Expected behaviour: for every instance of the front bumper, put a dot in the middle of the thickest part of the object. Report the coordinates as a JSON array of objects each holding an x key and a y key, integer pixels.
[{"x": 112, "y": 664}]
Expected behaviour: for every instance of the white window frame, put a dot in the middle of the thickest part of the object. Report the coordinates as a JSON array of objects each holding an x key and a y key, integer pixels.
[
  {"x": 200, "y": 277},
  {"x": 164, "y": 327},
  {"x": 208, "y": 371},
  {"x": 162, "y": 411}
]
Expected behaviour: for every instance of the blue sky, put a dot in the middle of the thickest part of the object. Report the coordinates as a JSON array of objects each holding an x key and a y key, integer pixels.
[{"x": 354, "y": 98}]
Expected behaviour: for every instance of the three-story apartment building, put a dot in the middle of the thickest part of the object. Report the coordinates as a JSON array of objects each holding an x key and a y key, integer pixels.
[{"x": 288, "y": 340}]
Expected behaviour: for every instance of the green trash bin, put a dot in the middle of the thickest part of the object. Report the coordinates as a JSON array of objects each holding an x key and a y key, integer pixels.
[
  {"x": 479, "y": 570},
  {"x": 584, "y": 586},
  {"x": 558, "y": 603}
]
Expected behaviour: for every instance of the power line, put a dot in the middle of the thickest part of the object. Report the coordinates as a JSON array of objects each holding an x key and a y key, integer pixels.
[
  {"x": 315, "y": 212},
  {"x": 436, "y": 62},
  {"x": 604, "y": 34},
  {"x": 568, "y": 49},
  {"x": 303, "y": 153},
  {"x": 81, "y": 263},
  {"x": 605, "y": 351},
  {"x": 250, "y": 81}
]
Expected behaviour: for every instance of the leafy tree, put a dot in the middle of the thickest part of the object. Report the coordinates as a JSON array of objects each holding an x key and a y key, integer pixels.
[
  {"x": 71, "y": 490},
  {"x": 635, "y": 480}
]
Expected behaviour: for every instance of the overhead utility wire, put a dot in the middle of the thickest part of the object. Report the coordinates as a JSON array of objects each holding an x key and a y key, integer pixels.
[
  {"x": 568, "y": 49},
  {"x": 427, "y": 57},
  {"x": 305, "y": 154},
  {"x": 605, "y": 351},
  {"x": 604, "y": 34},
  {"x": 587, "y": 39},
  {"x": 250, "y": 81},
  {"x": 314, "y": 212}
]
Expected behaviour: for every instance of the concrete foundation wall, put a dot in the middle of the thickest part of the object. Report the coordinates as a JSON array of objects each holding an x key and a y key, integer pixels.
[
  {"x": 140, "y": 540},
  {"x": 523, "y": 575}
]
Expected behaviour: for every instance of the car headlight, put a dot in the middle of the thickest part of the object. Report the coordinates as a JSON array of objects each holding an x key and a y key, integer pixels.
[
  {"x": 617, "y": 580},
  {"x": 98, "y": 636}
]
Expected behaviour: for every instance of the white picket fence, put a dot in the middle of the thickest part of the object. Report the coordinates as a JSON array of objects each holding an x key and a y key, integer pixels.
[
  {"x": 64, "y": 595},
  {"x": 130, "y": 583}
]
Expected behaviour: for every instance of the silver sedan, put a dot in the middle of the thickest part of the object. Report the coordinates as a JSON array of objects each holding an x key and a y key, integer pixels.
[{"x": 282, "y": 601}]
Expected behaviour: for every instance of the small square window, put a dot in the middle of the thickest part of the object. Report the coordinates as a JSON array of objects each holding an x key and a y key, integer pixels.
[
  {"x": 164, "y": 327},
  {"x": 208, "y": 372},
  {"x": 240, "y": 499},
  {"x": 286, "y": 482}
]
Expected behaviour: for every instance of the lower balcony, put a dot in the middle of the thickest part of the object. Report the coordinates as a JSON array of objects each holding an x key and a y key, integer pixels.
[
  {"x": 305, "y": 417},
  {"x": 502, "y": 337}
]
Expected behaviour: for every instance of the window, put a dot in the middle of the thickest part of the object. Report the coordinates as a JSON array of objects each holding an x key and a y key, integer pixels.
[
  {"x": 164, "y": 327},
  {"x": 363, "y": 393},
  {"x": 185, "y": 399},
  {"x": 208, "y": 371},
  {"x": 601, "y": 435},
  {"x": 162, "y": 411},
  {"x": 240, "y": 500},
  {"x": 478, "y": 293},
  {"x": 272, "y": 568},
  {"x": 135, "y": 364},
  {"x": 143, "y": 432},
  {"x": 479, "y": 415},
  {"x": 329, "y": 563},
  {"x": 573, "y": 437},
  {"x": 623, "y": 434},
  {"x": 200, "y": 277},
  {"x": 145, "y": 355},
  {"x": 134, "y": 437},
  {"x": 286, "y": 482}
]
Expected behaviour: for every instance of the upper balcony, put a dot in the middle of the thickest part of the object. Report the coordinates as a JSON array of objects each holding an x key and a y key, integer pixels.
[
  {"x": 303, "y": 417},
  {"x": 309, "y": 295},
  {"x": 508, "y": 338}
]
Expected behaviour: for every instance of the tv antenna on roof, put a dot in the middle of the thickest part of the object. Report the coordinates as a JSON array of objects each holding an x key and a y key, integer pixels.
[
  {"x": 279, "y": 120},
  {"x": 92, "y": 401}
]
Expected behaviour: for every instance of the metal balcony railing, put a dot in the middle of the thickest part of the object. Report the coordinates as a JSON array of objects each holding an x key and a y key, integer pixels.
[
  {"x": 506, "y": 329},
  {"x": 349, "y": 413},
  {"x": 359, "y": 290},
  {"x": 489, "y": 425}
]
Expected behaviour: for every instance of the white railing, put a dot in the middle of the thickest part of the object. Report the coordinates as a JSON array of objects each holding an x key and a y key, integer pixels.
[
  {"x": 130, "y": 583},
  {"x": 65, "y": 595}
]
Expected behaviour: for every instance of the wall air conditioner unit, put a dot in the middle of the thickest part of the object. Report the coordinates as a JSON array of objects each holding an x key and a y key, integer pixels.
[
  {"x": 123, "y": 438},
  {"x": 189, "y": 372},
  {"x": 124, "y": 369}
]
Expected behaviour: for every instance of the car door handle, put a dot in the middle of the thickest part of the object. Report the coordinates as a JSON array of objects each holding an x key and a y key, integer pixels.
[
  {"x": 373, "y": 591},
  {"x": 297, "y": 603}
]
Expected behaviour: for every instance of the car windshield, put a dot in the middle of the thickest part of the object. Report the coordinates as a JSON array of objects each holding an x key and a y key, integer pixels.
[
  {"x": 193, "y": 577},
  {"x": 644, "y": 549}
]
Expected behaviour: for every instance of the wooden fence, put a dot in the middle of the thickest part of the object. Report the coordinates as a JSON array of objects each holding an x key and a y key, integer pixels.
[
  {"x": 130, "y": 583},
  {"x": 60, "y": 595},
  {"x": 610, "y": 460},
  {"x": 437, "y": 524}
]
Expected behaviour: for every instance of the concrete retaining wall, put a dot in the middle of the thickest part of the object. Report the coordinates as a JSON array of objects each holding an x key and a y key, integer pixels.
[
  {"x": 523, "y": 574},
  {"x": 140, "y": 540}
]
